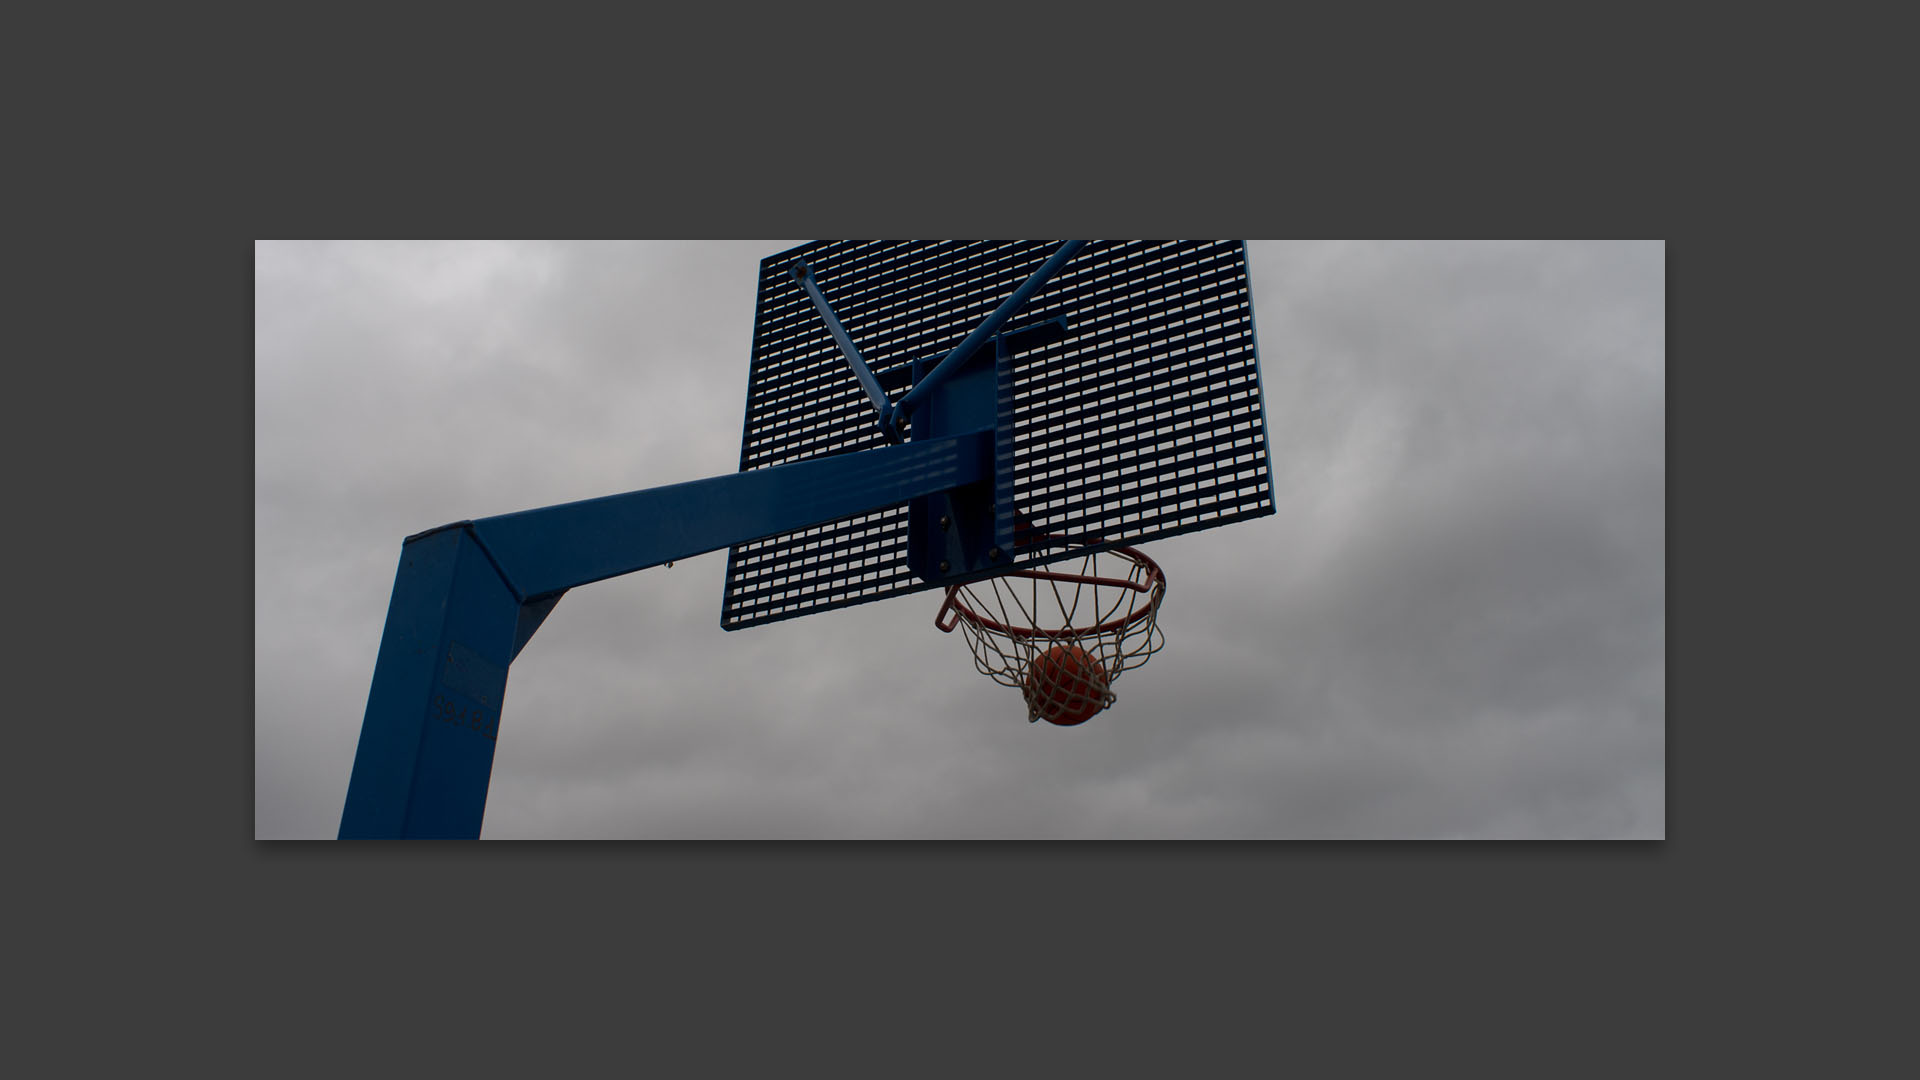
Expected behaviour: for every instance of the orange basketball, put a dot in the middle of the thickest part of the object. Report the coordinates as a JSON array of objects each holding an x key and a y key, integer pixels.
[{"x": 1066, "y": 685}]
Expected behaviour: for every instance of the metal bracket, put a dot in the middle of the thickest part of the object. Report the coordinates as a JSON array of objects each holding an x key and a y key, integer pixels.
[{"x": 969, "y": 531}]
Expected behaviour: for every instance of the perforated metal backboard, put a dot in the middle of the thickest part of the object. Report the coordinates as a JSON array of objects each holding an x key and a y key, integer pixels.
[{"x": 1143, "y": 419}]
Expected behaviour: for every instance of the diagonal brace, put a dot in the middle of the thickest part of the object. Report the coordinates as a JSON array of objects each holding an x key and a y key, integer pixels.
[{"x": 803, "y": 274}]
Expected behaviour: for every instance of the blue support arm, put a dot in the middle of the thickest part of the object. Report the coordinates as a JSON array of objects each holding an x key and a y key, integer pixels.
[
  {"x": 559, "y": 547},
  {"x": 468, "y": 596}
]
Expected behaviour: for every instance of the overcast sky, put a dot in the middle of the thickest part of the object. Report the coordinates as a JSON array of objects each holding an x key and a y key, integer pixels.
[{"x": 1453, "y": 627}]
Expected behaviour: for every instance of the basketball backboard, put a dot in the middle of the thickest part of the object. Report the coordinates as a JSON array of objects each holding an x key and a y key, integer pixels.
[{"x": 1127, "y": 391}]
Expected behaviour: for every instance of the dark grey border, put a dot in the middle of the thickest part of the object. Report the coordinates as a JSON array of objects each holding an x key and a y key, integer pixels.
[{"x": 1248, "y": 945}]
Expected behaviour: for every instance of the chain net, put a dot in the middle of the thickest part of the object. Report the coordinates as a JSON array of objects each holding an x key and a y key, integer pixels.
[{"x": 1060, "y": 636}]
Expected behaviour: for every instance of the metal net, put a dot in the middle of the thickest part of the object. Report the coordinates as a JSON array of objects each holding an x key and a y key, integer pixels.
[{"x": 1058, "y": 636}]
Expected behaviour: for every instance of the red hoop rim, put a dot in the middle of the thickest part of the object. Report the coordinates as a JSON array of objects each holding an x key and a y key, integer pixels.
[{"x": 1156, "y": 581}]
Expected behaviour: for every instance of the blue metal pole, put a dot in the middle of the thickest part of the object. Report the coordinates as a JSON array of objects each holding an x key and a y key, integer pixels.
[
  {"x": 953, "y": 361},
  {"x": 468, "y": 596},
  {"x": 426, "y": 744}
]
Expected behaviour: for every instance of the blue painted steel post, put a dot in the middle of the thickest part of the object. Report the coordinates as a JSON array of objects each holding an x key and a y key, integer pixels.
[
  {"x": 468, "y": 596},
  {"x": 426, "y": 744}
]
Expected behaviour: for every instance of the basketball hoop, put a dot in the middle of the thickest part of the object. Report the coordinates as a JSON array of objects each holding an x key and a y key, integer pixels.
[{"x": 1061, "y": 639}]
